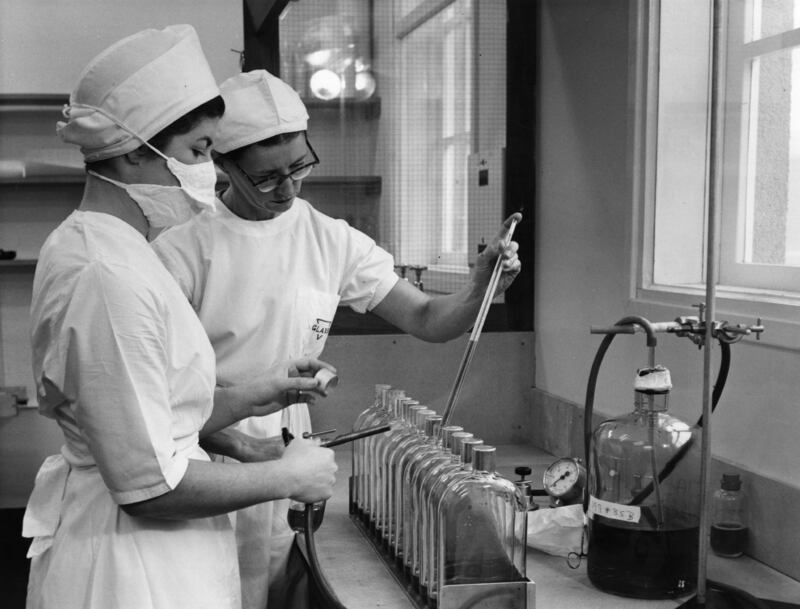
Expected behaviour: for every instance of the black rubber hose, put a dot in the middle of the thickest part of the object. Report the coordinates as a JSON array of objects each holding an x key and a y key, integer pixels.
[
  {"x": 719, "y": 385},
  {"x": 328, "y": 597},
  {"x": 588, "y": 409},
  {"x": 590, "y": 388},
  {"x": 669, "y": 466}
]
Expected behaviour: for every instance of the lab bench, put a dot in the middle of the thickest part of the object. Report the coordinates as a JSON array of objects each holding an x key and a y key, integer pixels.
[{"x": 362, "y": 581}]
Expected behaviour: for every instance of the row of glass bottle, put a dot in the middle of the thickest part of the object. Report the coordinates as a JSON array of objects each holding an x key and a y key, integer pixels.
[{"x": 430, "y": 497}]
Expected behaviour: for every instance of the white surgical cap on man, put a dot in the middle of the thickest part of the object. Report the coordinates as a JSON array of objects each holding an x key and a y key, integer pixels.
[
  {"x": 141, "y": 84},
  {"x": 258, "y": 106}
]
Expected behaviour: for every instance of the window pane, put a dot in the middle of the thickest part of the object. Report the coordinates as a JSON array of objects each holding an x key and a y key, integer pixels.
[
  {"x": 680, "y": 144},
  {"x": 772, "y": 17},
  {"x": 437, "y": 85},
  {"x": 404, "y": 7},
  {"x": 772, "y": 210},
  {"x": 413, "y": 138}
]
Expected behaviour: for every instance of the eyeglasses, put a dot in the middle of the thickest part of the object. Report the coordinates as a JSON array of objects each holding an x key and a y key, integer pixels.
[{"x": 271, "y": 182}]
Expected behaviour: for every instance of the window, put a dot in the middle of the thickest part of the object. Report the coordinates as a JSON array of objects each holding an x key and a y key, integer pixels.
[
  {"x": 436, "y": 74},
  {"x": 759, "y": 245},
  {"x": 422, "y": 147}
]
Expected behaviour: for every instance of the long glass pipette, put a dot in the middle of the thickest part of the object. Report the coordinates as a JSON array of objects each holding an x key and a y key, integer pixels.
[{"x": 476, "y": 330}]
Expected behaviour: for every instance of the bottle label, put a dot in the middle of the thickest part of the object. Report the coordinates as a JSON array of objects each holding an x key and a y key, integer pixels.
[{"x": 615, "y": 511}]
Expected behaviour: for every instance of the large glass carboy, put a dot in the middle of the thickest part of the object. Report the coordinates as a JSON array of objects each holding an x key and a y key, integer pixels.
[{"x": 644, "y": 497}]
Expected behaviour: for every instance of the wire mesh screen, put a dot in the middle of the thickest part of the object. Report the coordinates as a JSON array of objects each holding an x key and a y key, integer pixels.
[{"x": 396, "y": 116}]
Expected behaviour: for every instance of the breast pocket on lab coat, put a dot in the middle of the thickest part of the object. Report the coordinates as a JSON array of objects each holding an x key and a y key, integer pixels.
[{"x": 314, "y": 311}]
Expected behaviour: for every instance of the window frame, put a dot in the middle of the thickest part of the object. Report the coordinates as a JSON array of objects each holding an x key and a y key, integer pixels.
[
  {"x": 450, "y": 262},
  {"x": 733, "y": 271},
  {"x": 516, "y": 313},
  {"x": 662, "y": 301}
]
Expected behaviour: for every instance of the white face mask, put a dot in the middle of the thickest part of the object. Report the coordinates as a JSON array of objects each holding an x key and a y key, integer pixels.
[
  {"x": 166, "y": 206},
  {"x": 163, "y": 206},
  {"x": 197, "y": 181}
]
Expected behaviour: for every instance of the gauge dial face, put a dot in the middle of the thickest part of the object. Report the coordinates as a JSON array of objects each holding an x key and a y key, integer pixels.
[{"x": 564, "y": 477}]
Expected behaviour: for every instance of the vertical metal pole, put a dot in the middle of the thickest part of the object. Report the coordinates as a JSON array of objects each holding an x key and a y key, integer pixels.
[{"x": 716, "y": 123}]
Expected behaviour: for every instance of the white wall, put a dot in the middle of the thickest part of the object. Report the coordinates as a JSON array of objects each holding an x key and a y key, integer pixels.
[
  {"x": 584, "y": 254},
  {"x": 44, "y": 44}
]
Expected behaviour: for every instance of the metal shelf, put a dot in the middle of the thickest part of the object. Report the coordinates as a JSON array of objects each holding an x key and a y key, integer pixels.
[
  {"x": 370, "y": 184},
  {"x": 54, "y": 102},
  {"x": 32, "y": 102},
  {"x": 18, "y": 263},
  {"x": 50, "y": 180},
  {"x": 366, "y": 108}
]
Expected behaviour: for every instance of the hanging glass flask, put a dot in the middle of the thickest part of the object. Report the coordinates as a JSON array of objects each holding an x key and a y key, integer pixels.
[{"x": 644, "y": 497}]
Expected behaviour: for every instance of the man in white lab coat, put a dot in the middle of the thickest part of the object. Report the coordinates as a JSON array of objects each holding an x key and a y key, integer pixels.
[{"x": 266, "y": 271}]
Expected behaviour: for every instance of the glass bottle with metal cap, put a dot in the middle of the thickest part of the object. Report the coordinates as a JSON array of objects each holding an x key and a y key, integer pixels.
[
  {"x": 374, "y": 415},
  {"x": 417, "y": 458},
  {"x": 728, "y": 518},
  {"x": 412, "y": 430},
  {"x": 437, "y": 478},
  {"x": 438, "y": 493},
  {"x": 482, "y": 524},
  {"x": 398, "y": 463},
  {"x": 425, "y": 468},
  {"x": 373, "y": 467},
  {"x": 401, "y": 428}
]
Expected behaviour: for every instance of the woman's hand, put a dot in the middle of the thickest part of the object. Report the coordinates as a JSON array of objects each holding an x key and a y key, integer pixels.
[
  {"x": 285, "y": 384},
  {"x": 511, "y": 265},
  {"x": 311, "y": 468}
]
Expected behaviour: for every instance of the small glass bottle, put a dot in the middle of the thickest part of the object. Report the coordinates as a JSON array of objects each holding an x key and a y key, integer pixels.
[
  {"x": 440, "y": 489},
  {"x": 374, "y": 415},
  {"x": 438, "y": 493},
  {"x": 400, "y": 430},
  {"x": 430, "y": 466},
  {"x": 373, "y": 468},
  {"x": 378, "y": 446},
  {"x": 418, "y": 458},
  {"x": 399, "y": 461},
  {"x": 482, "y": 527},
  {"x": 435, "y": 476},
  {"x": 405, "y": 433},
  {"x": 409, "y": 433},
  {"x": 729, "y": 518}
]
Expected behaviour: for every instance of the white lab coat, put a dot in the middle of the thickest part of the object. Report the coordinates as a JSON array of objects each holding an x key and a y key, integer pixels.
[
  {"x": 124, "y": 367},
  {"x": 267, "y": 291}
]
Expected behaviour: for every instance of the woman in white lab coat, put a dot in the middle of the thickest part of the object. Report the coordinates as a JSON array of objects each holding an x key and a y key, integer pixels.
[
  {"x": 292, "y": 266},
  {"x": 132, "y": 513}
]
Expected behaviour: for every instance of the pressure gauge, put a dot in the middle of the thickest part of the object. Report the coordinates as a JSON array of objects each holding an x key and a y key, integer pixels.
[{"x": 564, "y": 480}]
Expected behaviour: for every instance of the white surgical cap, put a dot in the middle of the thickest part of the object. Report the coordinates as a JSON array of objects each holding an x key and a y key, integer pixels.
[
  {"x": 144, "y": 82},
  {"x": 258, "y": 106}
]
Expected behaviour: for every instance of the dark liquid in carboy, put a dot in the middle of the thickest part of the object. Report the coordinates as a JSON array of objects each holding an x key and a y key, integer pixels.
[{"x": 642, "y": 563}]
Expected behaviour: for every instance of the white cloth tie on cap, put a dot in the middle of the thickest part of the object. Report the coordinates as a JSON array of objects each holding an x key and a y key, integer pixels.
[{"x": 43, "y": 513}]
